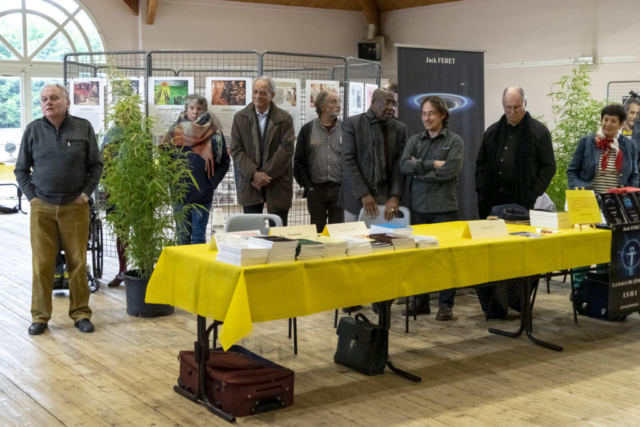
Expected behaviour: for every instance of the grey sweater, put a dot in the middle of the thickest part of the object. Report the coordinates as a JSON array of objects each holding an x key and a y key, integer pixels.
[{"x": 57, "y": 165}]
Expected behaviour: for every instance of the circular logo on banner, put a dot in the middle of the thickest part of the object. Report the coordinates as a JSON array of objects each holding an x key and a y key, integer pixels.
[
  {"x": 630, "y": 256},
  {"x": 454, "y": 102}
]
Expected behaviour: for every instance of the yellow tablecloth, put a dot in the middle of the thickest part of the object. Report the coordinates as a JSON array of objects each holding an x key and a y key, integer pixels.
[{"x": 189, "y": 278}]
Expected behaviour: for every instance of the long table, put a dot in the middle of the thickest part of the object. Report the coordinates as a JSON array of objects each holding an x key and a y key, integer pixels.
[{"x": 190, "y": 278}]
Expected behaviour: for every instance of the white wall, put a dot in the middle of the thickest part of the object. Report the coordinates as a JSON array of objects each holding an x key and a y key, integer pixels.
[
  {"x": 220, "y": 25},
  {"x": 529, "y": 32}
]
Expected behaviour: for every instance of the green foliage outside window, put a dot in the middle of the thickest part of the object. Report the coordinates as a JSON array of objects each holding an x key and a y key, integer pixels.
[{"x": 10, "y": 103}]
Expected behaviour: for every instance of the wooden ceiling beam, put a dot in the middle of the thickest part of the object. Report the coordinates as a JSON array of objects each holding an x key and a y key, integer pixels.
[
  {"x": 152, "y": 8},
  {"x": 372, "y": 13},
  {"x": 133, "y": 6}
]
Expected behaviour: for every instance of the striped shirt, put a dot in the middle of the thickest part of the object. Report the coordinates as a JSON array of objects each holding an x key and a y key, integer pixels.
[
  {"x": 606, "y": 178},
  {"x": 325, "y": 153}
]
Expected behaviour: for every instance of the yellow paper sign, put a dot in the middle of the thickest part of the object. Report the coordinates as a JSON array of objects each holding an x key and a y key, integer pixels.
[
  {"x": 485, "y": 229},
  {"x": 295, "y": 232},
  {"x": 583, "y": 207},
  {"x": 347, "y": 229}
]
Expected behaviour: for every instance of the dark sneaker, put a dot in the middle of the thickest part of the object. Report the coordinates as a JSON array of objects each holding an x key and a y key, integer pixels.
[
  {"x": 352, "y": 309},
  {"x": 37, "y": 328},
  {"x": 419, "y": 309},
  {"x": 85, "y": 326},
  {"x": 445, "y": 313},
  {"x": 115, "y": 282}
]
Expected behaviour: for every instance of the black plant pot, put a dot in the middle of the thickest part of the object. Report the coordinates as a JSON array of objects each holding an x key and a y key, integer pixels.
[{"x": 136, "y": 289}]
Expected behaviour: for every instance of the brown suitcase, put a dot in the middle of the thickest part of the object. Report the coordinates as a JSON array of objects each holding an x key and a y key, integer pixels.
[{"x": 239, "y": 382}]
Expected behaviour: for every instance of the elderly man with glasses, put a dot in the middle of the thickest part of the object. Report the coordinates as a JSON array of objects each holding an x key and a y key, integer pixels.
[{"x": 372, "y": 144}]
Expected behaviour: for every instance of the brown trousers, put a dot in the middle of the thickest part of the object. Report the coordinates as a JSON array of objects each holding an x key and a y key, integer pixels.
[{"x": 51, "y": 224}]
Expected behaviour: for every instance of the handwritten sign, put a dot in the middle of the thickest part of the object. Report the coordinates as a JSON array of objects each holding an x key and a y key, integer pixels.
[
  {"x": 295, "y": 232},
  {"x": 583, "y": 207},
  {"x": 485, "y": 229},
  {"x": 347, "y": 229}
]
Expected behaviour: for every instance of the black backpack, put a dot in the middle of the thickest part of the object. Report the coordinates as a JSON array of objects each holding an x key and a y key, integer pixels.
[{"x": 592, "y": 297}]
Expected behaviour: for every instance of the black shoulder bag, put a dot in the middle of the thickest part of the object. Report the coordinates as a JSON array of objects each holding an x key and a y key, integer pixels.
[{"x": 362, "y": 346}]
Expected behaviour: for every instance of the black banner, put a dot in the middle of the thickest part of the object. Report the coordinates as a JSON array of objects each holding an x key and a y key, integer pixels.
[
  {"x": 624, "y": 272},
  {"x": 458, "y": 78}
]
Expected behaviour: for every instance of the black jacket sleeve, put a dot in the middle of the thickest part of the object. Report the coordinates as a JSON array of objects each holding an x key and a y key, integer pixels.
[
  {"x": 300, "y": 160},
  {"x": 546, "y": 167},
  {"x": 221, "y": 168}
]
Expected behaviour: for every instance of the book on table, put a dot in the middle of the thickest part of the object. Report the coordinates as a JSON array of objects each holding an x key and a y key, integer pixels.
[
  {"x": 239, "y": 252},
  {"x": 281, "y": 249},
  {"x": 309, "y": 249},
  {"x": 391, "y": 229},
  {"x": 552, "y": 220},
  {"x": 333, "y": 246},
  {"x": 358, "y": 246},
  {"x": 398, "y": 242},
  {"x": 378, "y": 246},
  {"x": 426, "y": 241}
]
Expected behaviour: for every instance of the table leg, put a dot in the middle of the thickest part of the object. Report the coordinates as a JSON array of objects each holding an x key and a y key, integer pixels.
[
  {"x": 384, "y": 319},
  {"x": 201, "y": 356},
  {"x": 526, "y": 318}
]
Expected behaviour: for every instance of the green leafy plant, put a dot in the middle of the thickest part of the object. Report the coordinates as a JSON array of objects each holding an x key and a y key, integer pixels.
[
  {"x": 143, "y": 181},
  {"x": 575, "y": 114}
]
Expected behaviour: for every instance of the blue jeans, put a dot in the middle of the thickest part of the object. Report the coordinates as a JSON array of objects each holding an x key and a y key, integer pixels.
[
  {"x": 445, "y": 297},
  {"x": 194, "y": 229}
]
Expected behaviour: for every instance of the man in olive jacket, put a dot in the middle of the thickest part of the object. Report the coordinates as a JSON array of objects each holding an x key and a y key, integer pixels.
[{"x": 262, "y": 138}]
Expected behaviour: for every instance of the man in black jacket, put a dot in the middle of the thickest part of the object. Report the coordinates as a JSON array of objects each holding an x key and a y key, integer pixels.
[
  {"x": 372, "y": 144},
  {"x": 316, "y": 164},
  {"x": 516, "y": 162}
]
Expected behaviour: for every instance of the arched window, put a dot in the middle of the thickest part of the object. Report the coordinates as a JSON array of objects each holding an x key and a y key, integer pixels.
[
  {"x": 45, "y": 30},
  {"x": 34, "y": 37}
]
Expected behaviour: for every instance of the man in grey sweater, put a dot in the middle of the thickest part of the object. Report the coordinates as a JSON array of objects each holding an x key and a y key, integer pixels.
[
  {"x": 58, "y": 167},
  {"x": 432, "y": 161}
]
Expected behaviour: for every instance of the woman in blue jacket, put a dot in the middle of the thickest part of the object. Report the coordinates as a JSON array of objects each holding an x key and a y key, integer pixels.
[
  {"x": 204, "y": 146},
  {"x": 606, "y": 159}
]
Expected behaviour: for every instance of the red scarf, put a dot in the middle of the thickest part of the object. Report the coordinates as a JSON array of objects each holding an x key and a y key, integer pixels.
[{"x": 605, "y": 145}]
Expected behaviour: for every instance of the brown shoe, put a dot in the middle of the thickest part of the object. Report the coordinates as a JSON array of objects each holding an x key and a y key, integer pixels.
[{"x": 445, "y": 313}]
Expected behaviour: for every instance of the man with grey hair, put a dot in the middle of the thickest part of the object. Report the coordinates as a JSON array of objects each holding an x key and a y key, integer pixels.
[
  {"x": 316, "y": 164},
  {"x": 58, "y": 167},
  {"x": 262, "y": 138},
  {"x": 515, "y": 163}
]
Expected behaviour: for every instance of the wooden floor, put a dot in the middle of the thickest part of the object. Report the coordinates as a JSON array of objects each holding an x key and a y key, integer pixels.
[{"x": 123, "y": 374}]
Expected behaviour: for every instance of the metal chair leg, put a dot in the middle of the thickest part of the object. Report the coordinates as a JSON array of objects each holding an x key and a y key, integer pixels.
[
  {"x": 289, "y": 328},
  {"x": 415, "y": 301},
  {"x": 295, "y": 336},
  {"x": 406, "y": 316},
  {"x": 548, "y": 288},
  {"x": 335, "y": 321}
]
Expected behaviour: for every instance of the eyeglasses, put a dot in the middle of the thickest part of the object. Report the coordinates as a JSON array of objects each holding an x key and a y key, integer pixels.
[{"x": 387, "y": 103}]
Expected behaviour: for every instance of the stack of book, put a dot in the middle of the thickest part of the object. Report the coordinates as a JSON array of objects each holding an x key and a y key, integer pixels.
[
  {"x": 237, "y": 251},
  {"x": 309, "y": 249},
  {"x": 333, "y": 247},
  {"x": 553, "y": 220},
  {"x": 398, "y": 242},
  {"x": 378, "y": 246},
  {"x": 358, "y": 246},
  {"x": 280, "y": 249},
  {"x": 426, "y": 242},
  {"x": 391, "y": 229}
]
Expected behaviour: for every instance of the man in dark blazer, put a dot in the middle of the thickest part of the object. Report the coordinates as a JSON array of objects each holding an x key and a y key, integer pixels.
[
  {"x": 372, "y": 144},
  {"x": 262, "y": 138}
]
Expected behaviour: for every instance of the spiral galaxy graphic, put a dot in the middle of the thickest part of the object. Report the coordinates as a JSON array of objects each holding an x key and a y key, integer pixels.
[{"x": 454, "y": 102}]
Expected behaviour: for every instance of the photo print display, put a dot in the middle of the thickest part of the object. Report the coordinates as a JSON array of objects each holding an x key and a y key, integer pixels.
[
  {"x": 167, "y": 96},
  {"x": 87, "y": 101},
  {"x": 356, "y": 98},
  {"x": 226, "y": 96},
  {"x": 288, "y": 98}
]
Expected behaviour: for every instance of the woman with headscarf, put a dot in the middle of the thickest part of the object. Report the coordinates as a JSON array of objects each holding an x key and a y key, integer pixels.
[{"x": 203, "y": 144}]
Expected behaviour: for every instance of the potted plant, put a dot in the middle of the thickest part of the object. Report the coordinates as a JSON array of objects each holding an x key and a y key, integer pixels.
[{"x": 143, "y": 182}]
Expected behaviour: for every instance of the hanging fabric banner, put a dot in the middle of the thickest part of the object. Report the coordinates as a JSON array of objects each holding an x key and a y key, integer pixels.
[{"x": 458, "y": 78}]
